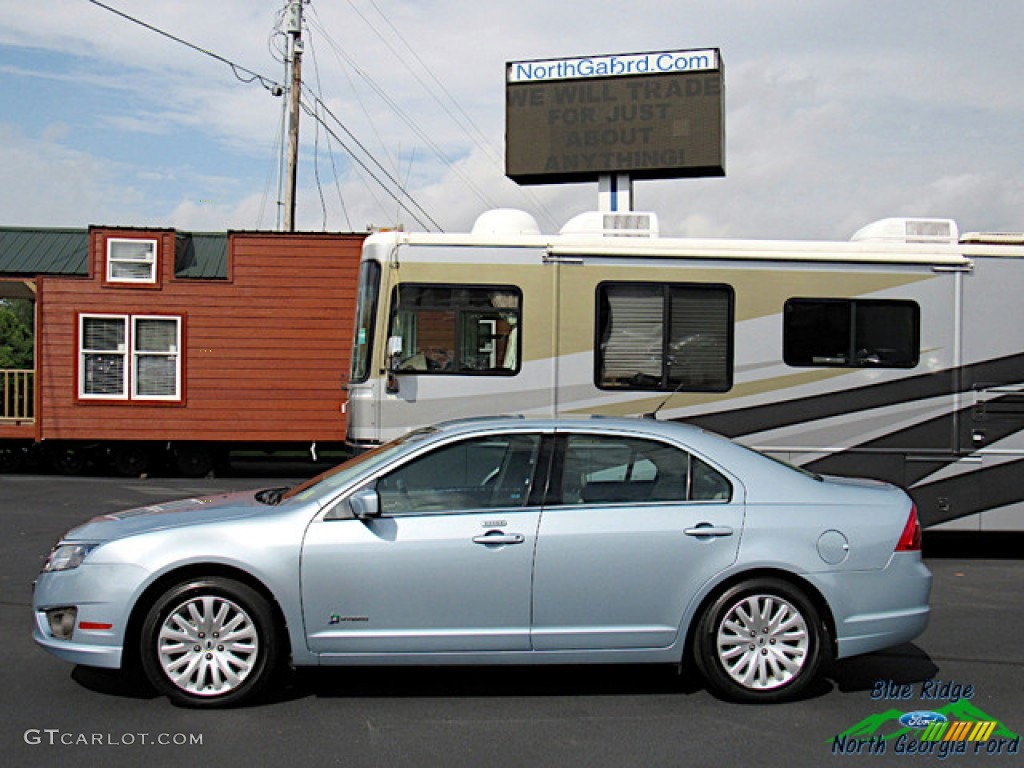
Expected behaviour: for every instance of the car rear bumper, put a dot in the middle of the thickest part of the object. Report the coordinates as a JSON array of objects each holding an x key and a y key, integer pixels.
[{"x": 880, "y": 609}]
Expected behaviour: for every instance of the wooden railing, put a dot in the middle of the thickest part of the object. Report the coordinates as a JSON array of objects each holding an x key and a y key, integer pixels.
[{"x": 17, "y": 395}]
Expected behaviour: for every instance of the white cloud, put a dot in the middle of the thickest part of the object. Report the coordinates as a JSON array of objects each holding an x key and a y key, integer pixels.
[
  {"x": 838, "y": 111},
  {"x": 211, "y": 215},
  {"x": 51, "y": 184}
]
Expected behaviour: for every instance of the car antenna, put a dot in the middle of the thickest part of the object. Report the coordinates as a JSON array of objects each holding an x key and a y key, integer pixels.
[{"x": 654, "y": 414}]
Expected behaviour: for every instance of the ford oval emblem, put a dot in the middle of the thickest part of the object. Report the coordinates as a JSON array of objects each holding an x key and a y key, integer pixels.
[{"x": 921, "y": 719}]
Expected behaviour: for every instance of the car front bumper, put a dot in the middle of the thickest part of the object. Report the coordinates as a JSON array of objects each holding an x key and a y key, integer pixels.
[
  {"x": 90, "y": 654},
  {"x": 101, "y": 596}
]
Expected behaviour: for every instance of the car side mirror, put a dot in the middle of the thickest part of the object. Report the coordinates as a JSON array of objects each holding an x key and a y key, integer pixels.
[{"x": 365, "y": 504}]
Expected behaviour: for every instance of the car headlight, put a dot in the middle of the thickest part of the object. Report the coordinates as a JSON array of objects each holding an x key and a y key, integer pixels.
[{"x": 64, "y": 557}]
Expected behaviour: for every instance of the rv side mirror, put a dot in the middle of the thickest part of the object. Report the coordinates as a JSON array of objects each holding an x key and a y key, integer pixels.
[
  {"x": 365, "y": 504},
  {"x": 394, "y": 352},
  {"x": 394, "y": 357}
]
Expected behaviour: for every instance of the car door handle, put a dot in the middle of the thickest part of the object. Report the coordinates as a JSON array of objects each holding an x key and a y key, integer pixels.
[
  {"x": 706, "y": 529},
  {"x": 494, "y": 538}
]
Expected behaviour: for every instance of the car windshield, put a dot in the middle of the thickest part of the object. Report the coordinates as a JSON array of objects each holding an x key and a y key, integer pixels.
[{"x": 342, "y": 474}]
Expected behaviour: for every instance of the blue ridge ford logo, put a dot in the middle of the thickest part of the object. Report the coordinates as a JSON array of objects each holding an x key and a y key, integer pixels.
[{"x": 921, "y": 719}]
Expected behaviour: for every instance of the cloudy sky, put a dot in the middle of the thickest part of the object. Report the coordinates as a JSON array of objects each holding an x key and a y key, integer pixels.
[{"x": 838, "y": 112}]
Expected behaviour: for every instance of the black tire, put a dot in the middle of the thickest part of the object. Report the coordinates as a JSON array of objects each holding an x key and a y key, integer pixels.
[
  {"x": 131, "y": 459},
  {"x": 11, "y": 458},
  {"x": 68, "y": 459},
  {"x": 184, "y": 632},
  {"x": 193, "y": 460},
  {"x": 760, "y": 641}
]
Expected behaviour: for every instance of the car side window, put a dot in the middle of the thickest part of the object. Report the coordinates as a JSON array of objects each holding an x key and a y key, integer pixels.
[
  {"x": 492, "y": 472},
  {"x": 599, "y": 469},
  {"x": 707, "y": 483}
]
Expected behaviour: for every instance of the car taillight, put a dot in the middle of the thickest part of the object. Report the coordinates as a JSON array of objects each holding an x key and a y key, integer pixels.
[{"x": 910, "y": 539}]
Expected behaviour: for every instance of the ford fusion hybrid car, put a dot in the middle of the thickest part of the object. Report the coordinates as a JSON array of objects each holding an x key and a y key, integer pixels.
[{"x": 499, "y": 541}]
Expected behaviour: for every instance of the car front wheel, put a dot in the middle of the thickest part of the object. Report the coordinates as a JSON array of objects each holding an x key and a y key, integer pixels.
[
  {"x": 210, "y": 642},
  {"x": 760, "y": 641}
]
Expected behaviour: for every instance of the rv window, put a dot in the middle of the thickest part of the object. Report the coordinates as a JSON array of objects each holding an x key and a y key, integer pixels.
[
  {"x": 664, "y": 337},
  {"x": 851, "y": 333},
  {"x": 457, "y": 329}
]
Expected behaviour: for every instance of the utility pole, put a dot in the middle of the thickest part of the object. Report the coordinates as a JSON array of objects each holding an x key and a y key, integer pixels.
[{"x": 294, "y": 29}]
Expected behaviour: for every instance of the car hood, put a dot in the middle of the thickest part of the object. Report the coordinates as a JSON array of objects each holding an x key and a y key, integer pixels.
[{"x": 172, "y": 514}]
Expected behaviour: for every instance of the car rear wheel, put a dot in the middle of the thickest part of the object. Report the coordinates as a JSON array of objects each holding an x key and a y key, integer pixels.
[
  {"x": 210, "y": 642},
  {"x": 760, "y": 641}
]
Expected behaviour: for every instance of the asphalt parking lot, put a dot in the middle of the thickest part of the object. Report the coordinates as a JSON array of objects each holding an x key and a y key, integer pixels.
[{"x": 970, "y": 660}]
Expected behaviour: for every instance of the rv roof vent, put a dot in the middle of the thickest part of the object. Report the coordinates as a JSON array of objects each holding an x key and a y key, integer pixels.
[
  {"x": 993, "y": 238},
  {"x": 505, "y": 221},
  {"x": 608, "y": 224},
  {"x": 909, "y": 231}
]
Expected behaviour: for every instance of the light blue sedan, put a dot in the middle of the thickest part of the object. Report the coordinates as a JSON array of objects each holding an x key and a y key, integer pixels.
[{"x": 499, "y": 541}]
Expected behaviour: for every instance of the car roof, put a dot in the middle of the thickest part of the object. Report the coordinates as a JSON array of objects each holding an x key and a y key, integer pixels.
[{"x": 582, "y": 422}]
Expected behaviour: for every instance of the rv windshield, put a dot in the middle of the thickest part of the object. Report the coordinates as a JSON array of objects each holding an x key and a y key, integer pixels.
[{"x": 366, "y": 319}]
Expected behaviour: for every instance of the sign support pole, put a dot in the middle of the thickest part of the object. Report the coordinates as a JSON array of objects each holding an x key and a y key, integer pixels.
[{"x": 615, "y": 193}]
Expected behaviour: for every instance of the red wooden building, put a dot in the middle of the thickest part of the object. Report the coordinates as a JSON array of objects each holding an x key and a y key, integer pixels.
[{"x": 169, "y": 342}]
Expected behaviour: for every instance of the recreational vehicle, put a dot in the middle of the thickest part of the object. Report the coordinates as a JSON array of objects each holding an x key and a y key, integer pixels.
[{"x": 898, "y": 354}]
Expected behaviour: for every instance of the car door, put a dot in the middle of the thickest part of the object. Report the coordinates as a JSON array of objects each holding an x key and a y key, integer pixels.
[
  {"x": 445, "y": 564},
  {"x": 634, "y": 527}
]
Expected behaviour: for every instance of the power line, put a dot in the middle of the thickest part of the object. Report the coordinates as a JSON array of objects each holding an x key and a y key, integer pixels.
[
  {"x": 479, "y": 139},
  {"x": 278, "y": 169},
  {"x": 394, "y": 106},
  {"x": 250, "y": 76},
  {"x": 387, "y": 174},
  {"x": 246, "y": 75},
  {"x": 330, "y": 151},
  {"x": 465, "y": 122},
  {"x": 396, "y": 197}
]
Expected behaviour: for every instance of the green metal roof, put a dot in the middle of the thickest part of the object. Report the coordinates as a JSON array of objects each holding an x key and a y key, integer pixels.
[
  {"x": 30, "y": 251},
  {"x": 202, "y": 256}
]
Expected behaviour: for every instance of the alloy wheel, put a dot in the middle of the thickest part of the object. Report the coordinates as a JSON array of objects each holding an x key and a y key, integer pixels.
[
  {"x": 763, "y": 642},
  {"x": 208, "y": 645}
]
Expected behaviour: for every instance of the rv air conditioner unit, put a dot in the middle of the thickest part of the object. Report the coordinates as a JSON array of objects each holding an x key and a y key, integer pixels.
[
  {"x": 908, "y": 231},
  {"x": 613, "y": 224}
]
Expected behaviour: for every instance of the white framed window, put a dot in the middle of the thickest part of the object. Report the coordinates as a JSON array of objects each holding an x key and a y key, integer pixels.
[
  {"x": 156, "y": 362},
  {"x": 102, "y": 343},
  {"x": 129, "y": 357},
  {"x": 131, "y": 260}
]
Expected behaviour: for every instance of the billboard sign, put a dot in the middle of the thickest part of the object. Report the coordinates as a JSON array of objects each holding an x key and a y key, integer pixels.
[{"x": 650, "y": 115}]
